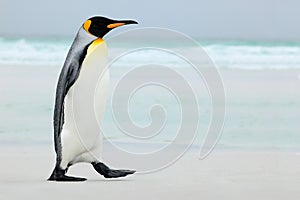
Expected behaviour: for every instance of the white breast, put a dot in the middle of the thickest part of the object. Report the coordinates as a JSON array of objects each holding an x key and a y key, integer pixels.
[{"x": 85, "y": 107}]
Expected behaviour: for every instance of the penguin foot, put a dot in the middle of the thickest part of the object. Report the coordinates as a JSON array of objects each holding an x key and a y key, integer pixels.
[
  {"x": 111, "y": 173},
  {"x": 65, "y": 178},
  {"x": 59, "y": 175}
]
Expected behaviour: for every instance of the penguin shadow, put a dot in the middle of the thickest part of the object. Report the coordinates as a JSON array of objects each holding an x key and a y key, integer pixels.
[
  {"x": 41, "y": 181},
  {"x": 109, "y": 180}
]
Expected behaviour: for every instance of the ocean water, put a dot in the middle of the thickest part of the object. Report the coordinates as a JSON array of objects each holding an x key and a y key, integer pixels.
[
  {"x": 226, "y": 54},
  {"x": 29, "y": 68}
]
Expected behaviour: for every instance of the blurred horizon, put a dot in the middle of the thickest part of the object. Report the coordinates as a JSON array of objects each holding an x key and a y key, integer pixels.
[
  {"x": 201, "y": 40},
  {"x": 214, "y": 20}
]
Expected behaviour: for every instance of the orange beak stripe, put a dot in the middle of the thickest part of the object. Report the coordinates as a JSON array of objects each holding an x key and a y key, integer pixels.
[{"x": 114, "y": 25}]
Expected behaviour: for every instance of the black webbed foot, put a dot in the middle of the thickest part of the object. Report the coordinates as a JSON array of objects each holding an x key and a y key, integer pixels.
[
  {"x": 59, "y": 175},
  {"x": 104, "y": 170}
]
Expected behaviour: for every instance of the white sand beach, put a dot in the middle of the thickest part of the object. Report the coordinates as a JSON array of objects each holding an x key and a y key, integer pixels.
[
  {"x": 257, "y": 156},
  {"x": 222, "y": 175}
]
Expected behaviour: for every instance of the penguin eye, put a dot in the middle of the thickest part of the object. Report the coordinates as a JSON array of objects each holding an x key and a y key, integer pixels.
[{"x": 87, "y": 25}]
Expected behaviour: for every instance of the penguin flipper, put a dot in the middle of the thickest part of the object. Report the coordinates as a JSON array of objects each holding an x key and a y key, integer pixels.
[
  {"x": 104, "y": 170},
  {"x": 67, "y": 78}
]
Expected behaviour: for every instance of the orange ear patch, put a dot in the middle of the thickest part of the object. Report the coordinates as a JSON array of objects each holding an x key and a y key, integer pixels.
[
  {"x": 114, "y": 25},
  {"x": 87, "y": 25}
]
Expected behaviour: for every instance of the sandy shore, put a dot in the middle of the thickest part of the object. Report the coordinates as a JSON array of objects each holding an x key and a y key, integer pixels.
[
  {"x": 222, "y": 175},
  {"x": 262, "y": 114}
]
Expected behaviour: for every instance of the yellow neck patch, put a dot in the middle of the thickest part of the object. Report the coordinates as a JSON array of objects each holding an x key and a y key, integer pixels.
[
  {"x": 94, "y": 44},
  {"x": 87, "y": 25}
]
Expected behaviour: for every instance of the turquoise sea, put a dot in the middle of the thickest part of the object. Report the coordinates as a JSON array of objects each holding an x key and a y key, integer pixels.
[
  {"x": 261, "y": 80},
  {"x": 226, "y": 53}
]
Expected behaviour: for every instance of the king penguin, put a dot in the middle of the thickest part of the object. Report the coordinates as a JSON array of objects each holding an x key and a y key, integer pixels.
[{"x": 68, "y": 144}]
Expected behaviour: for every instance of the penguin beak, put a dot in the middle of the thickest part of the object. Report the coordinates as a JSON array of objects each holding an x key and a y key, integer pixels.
[{"x": 120, "y": 23}]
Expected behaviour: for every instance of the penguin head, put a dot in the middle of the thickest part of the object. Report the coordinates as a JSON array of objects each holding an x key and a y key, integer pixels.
[{"x": 100, "y": 26}]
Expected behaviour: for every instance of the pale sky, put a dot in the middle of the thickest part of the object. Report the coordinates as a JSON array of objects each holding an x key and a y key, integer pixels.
[{"x": 212, "y": 19}]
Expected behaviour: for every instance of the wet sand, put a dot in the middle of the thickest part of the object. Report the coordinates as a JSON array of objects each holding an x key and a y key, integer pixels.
[{"x": 222, "y": 175}]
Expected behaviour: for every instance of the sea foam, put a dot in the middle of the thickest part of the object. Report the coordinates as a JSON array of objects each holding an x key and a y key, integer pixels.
[{"x": 231, "y": 55}]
